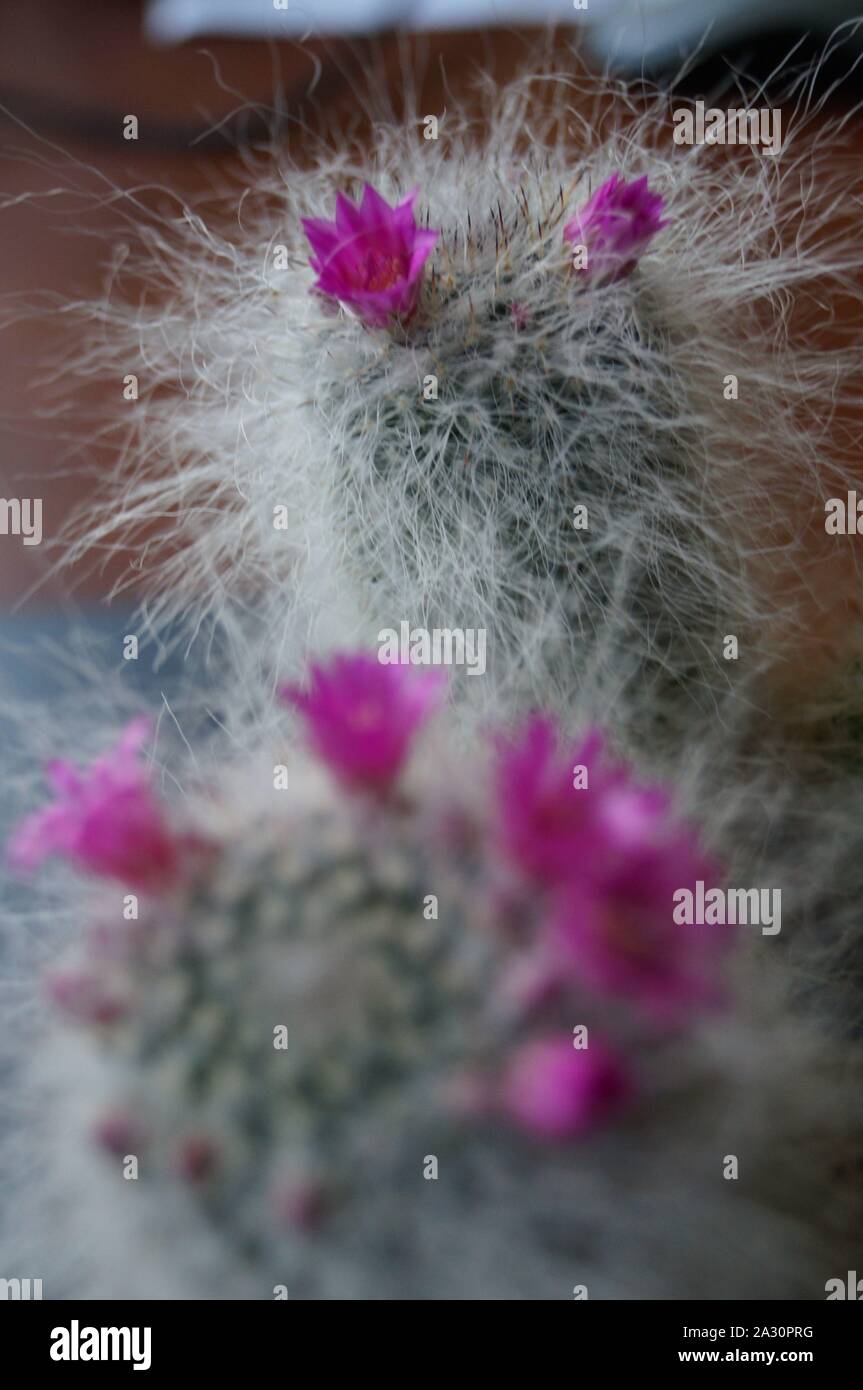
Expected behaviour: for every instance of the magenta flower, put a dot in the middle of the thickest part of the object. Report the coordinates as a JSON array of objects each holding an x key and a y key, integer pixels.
[
  {"x": 547, "y": 826},
  {"x": 106, "y": 820},
  {"x": 552, "y": 829},
  {"x": 615, "y": 227},
  {"x": 362, "y": 715},
  {"x": 554, "y": 1091},
  {"x": 371, "y": 257},
  {"x": 618, "y": 935}
]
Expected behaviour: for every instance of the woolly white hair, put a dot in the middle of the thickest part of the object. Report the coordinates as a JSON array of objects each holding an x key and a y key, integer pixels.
[
  {"x": 644, "y": 1210},
  {"x": 641, "y": 1212}
]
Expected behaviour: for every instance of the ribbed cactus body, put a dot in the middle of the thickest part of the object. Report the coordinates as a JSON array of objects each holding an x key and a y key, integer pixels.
[
  {"x": 283, "y": 1014},
  {"x": 522, "y": 458}
]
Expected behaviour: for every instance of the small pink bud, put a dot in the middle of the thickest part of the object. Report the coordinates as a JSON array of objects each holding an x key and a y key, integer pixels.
[
  {"x": 554, "y": 1091},
  {"x": 197, "y": 1157},
  {"x": 615, "y": 227},
  {"x": 118, "y": 1133},
  {"x": 301, "y": 1204},
  {"x": 84, "y": 996}
]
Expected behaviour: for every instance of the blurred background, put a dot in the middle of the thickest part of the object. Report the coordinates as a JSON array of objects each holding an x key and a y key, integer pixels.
[{"x": 204, "y": 78}]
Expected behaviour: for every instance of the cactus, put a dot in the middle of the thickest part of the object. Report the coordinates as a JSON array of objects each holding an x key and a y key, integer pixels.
[
  {"x": 545, "y": 491},
  {"x": 389, "y": 398},
  {"x": 318, "y": 489},
  {"x": 290, "y": 1047}
]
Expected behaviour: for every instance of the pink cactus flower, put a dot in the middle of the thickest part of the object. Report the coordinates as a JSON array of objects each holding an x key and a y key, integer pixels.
[
  {"x": 105, "y": 820},
  {"x": 618, "y": 936},
  {"x": 547, "y": 826},
  {"x": 362, "y": 715},
  {"x": 371, "y": 257},
  {"x": 616, "y": 225},
  {"x": 554, "y": 1091},
  {"x": 552, "y": 826}
]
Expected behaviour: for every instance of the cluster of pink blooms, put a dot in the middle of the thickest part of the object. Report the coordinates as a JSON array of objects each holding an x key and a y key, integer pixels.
[
  {"x": 602, "y": 853},
  {"x": 570, "y": 831},
  {"x": 371, "y": 258},
  {"x": 607, "y": 856},
  {"x": 603, "y": 857}
]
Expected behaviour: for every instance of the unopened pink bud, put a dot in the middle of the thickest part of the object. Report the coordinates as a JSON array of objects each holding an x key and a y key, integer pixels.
[{"x": 196, "y": 1158}]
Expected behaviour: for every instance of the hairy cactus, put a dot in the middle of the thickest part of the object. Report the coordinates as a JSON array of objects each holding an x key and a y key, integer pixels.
[
  {"x": 416, "y": 1034},
  {"x": 533, "y": 426},
  {"x": 423, "y": 1021},
  {"x": 607, "y": 448}
]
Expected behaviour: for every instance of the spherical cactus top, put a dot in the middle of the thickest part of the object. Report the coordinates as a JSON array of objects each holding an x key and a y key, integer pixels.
[{"x": 457, "y": 949}]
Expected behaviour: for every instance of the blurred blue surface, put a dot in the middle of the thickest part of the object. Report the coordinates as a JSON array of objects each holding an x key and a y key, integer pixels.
[{"x": 51, "y": 657}]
